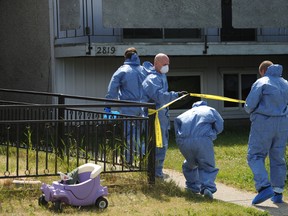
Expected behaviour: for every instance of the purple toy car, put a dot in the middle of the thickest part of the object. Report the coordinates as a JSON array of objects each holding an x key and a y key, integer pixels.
[{"x": 81, "y": 188}]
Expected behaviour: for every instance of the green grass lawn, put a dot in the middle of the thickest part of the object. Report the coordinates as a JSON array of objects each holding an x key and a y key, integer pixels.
[
  {"x": 230, "y": 156},
  {"x": 129, "y": 194}
]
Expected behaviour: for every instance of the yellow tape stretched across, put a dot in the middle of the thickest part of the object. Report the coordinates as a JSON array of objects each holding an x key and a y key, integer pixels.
[
  {"x": 157, "y": 125},
  {"x": 216, "y": 97}
]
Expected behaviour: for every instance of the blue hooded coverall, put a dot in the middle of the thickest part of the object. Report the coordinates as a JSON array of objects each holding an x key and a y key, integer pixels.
[
  {"x": 195, "y": 131},
  {"x": 155, "y": 87},
  {"x": 126, "y": 84},
  {"x": 267, "y": 106}
]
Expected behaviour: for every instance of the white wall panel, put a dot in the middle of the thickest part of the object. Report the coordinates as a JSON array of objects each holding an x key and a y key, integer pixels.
[
  {"x": 90, "y": 76},
  {"x": 84, "y": 76}
]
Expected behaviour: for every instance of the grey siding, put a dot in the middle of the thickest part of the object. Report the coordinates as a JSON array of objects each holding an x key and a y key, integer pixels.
[{"x": 91, "y": 76}]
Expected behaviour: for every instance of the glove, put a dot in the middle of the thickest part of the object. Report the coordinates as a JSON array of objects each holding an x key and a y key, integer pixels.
[
  {"x": 107, "y": 109},
  {"x": 182, "y": 93}
]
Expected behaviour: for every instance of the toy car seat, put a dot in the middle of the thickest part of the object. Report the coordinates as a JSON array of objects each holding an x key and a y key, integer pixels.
[
  {"x": 88, "y": 171},
  {"x": 87, "y": 190}
]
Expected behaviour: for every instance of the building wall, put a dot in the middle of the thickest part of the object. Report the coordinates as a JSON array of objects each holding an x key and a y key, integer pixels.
[
  {"x": 27, "y": 57},
  {"x": 90, "y": 76},
  {"x": 25, "y": 45}
]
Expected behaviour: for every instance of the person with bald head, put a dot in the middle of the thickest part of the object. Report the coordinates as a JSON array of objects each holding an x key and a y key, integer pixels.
[
  {"x": 155, "y": 88},
  {"x": 267, "y": 104}
]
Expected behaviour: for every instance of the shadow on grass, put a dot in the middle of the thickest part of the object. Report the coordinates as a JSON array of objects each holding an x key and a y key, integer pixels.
[
  {"x": 280, "y": 209},
  {"x": 131, "y": 183},
  {"x": 164, "y": 191}
]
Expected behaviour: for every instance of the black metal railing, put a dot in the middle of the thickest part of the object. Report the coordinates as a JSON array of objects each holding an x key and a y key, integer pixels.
[{"x": 42, "y": 139}]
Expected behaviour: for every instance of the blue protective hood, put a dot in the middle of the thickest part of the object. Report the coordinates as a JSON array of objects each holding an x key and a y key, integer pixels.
[
  {"x": 134, "y": 60},
  {"x": 274, "y": 70},
  {"x": 199, "y": 103},
  {"x": 149, "y": 67}
]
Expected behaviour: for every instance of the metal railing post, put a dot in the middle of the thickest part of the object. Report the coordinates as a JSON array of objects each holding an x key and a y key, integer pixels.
[
  {"x": 151, "y": 149},
  {"x": 61, "y": 117}
]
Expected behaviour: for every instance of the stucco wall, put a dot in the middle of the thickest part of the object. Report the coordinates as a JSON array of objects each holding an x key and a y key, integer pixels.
[
  {"x": 25, "y": 45},
  {"x": 259, "y": 13}
]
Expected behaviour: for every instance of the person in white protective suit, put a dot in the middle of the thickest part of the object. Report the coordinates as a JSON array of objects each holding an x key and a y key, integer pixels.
[
  {"x": 267, "y": 105},
  {"x": 195, "y": 131},
  {"x": 126, "y": 84},
  {"x": 155, "y": 87}
]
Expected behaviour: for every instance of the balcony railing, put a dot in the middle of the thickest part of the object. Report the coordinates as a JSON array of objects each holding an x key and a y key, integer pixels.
[{"x": 85, "y": 25}]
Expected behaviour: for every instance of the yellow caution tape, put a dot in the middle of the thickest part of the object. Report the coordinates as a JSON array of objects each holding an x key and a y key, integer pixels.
[
  {"x": 158, "y": 133},
  {"x": 216, "y": 97},
  {"x": 157, "y": 125}
]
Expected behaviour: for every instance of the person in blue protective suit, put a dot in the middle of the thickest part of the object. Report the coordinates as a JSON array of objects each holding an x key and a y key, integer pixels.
[
  {"x": 195, "y": 131},
  {"x": 126, "y": 84},
  {"x": 267, "y": 105},
  {"x": 155, "y": 87}
]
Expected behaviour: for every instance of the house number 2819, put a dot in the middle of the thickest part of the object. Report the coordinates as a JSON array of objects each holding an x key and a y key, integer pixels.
[{"x": 105, "y": 50}]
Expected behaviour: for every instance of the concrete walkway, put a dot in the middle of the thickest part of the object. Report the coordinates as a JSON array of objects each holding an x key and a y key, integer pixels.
[{"x": 232, "y": 195}]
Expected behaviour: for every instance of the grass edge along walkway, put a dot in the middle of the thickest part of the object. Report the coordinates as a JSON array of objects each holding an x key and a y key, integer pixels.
[{"x": 232, "y": 195}]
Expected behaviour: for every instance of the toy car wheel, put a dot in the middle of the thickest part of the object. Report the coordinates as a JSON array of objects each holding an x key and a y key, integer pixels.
[
  {"x": 58, "y": 206},
  {"x": 42, "y": 201},
  {"x": 101, "y": 203}
]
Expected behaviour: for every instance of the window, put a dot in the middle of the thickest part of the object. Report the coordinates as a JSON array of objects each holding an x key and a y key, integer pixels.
[
  {"x": 231, "y": 88},
  {"x": 182, "y": 33},
  {"x": 237, "y": 86},
  {"x": 142, "y": 33},
  {"x": 192, "y": 84}
]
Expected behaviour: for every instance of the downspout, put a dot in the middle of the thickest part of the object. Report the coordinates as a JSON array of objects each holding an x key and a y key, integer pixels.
[
  {"x": 88, "y": 32},
  {"x": 205, "y": 45}
]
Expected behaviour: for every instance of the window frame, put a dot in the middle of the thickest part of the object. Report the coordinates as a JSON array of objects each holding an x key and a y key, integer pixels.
[
  {"x": 185, "y": 72},
  {"x": 164, "y": 39},
  {"x": 239, "y": 72}
]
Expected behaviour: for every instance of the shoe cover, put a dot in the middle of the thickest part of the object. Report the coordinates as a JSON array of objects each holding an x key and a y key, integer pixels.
[
  {"x": 207, "y": 193},
  {"x": 263, "y": 195},
  {"x": 277, "y": 198}
]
